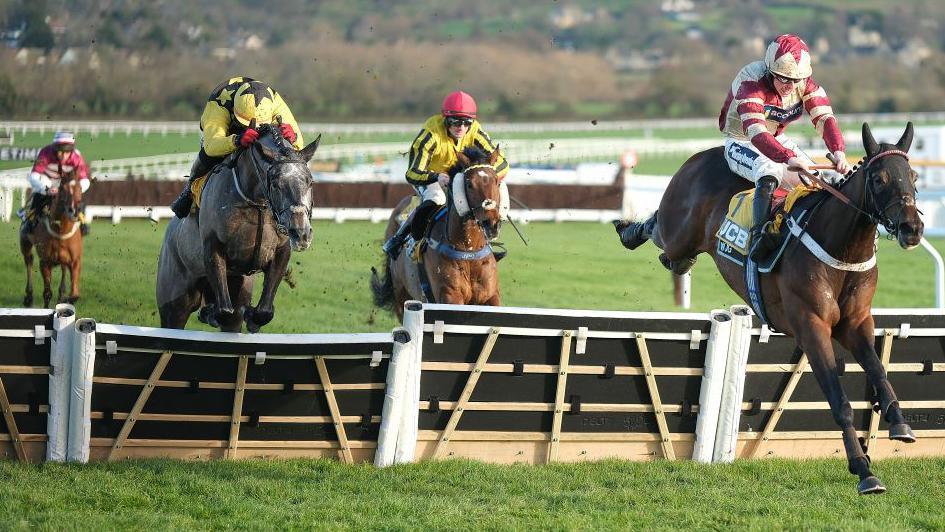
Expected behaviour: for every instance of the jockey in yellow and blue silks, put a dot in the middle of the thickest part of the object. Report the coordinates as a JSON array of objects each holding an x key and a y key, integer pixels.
[
  {"x": 433, "y": 153},
  {"x": 225, "y": 122}
]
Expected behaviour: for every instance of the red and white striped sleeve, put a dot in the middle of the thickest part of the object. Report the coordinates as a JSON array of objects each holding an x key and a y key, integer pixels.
[
  {"x": 817, "y": 105},
  {"x": 750, "y": 105}
]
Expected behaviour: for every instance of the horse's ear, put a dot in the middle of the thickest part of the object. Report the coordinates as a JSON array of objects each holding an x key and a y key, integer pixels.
[
  {"x": 869, "y": 143},
  {"x": 308, "y": 151},
  {"x": 494, "y": 156},
  {"x": 906, "y": 141}
]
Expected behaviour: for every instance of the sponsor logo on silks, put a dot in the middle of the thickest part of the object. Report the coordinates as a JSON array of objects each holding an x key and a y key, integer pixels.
[
  {"x": 742, "y": 155},
  {"x": 733, "y": 234},
  {"x": 783, "y": 116}
]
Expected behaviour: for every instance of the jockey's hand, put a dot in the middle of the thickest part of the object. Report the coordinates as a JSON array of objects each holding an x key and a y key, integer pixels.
[
  {"x": 443, "y": 180},
  {"x": 840, "y": 162},
  {"x": 248, "y": 137},
  {"x": 796, "y": 163},
  {"x": 52, "y": 191},
  {"x": 287, "y": 132}
]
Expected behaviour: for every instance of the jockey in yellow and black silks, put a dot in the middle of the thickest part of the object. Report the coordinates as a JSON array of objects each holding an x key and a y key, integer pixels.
[
  {"x": 433, "y": 153},
  {"x": 224, "y": 125}
]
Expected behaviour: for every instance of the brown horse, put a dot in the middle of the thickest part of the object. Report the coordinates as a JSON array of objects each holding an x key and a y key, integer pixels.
[
  {"x": 806, "y": 297},
  {"x": 58, "y": 242},
  {"x": 458, "y": 259}
]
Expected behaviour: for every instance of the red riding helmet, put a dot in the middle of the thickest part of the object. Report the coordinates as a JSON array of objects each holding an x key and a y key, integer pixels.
[
  {"x": 459, "y": 103},
  {"x": 788, "y": 56}
]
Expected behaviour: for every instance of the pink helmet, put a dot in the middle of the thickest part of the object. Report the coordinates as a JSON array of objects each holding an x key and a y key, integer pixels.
[
  {"x": 788, "y": 56},
  {"x": 459, "y": 103}
]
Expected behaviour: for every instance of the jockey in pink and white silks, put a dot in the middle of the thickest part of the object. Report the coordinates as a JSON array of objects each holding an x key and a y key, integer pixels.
[
  {"x": 764, "y": 98},
  {"x": 55, "y": 160}
]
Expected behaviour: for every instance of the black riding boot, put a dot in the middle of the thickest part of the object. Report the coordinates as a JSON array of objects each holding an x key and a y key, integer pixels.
[
  {"x": 185, "y": 201},
  {"x": 32, "y": 212},
  {"x": 417, "y": 218},
  {"x": 762, "y": 242},
  {"x": 84, "y": 227}
]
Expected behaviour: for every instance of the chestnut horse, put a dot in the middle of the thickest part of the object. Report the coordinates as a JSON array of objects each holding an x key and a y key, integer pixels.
[
  {"x": 806, "y": 297},
  {"x": 58, "y": 242},
  {"x": 458, "y": 259}
]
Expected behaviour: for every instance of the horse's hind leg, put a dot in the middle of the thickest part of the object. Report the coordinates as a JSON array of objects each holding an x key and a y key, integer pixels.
[
  {"x": 26, "y": 248},
  {"x": 62, "y": 283},
  {"x": 174, "y": 314},
  {"x": 635, "y": 234}
]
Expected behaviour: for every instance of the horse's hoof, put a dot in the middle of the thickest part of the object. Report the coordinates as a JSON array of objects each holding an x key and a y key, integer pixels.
[
  {"x": 620, "y": 225},
  {"x": 871, "y": 486},
  {"x": 631, "y": 234},
  {"x": 252, "y": 326},
  {"x": 901, "y": 432},
  {"x": 28, "y": 301}
]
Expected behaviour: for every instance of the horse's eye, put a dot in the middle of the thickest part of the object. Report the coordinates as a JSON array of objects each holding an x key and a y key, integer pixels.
[{"x": 881, "y": 176}]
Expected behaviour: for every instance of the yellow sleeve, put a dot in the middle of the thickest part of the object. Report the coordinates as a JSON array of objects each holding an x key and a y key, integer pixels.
[
  {"x": 281, "y": 109},
  {"x": 215, "y": 123},
  {"x": 421, "y": 152},
  {"x": 485, "y": 143}
]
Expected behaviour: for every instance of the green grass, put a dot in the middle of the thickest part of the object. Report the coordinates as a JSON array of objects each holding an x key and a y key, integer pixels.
[
  {"x": 571, "y": 265},
  {"x": 462, "y": 495}
]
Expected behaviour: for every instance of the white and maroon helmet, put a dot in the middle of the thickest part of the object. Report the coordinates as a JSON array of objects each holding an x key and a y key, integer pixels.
[{"x": 789, "y": 57}]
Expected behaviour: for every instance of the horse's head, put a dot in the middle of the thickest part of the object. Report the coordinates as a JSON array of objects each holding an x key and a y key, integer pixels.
[
  {"x": 475, "y": 190},
  {"x": 287, "y": 182},
  {"x": 67, "y": 200},
  {"x": 890, "y": 187}
]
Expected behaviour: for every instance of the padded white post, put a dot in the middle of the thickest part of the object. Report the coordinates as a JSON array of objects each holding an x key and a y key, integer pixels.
[
  {"x": 80, "y": 400},
  {"x": 410, "y": 419},
  {"x": 397, "y": 375},
  {"x": 710, "y": 392},
  {"x": 60, "y": 369},
  {"x": 726, "y": 438}
]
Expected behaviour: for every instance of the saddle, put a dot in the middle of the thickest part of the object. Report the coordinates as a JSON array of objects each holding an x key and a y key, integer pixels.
[{"x": 736, "y": 227}]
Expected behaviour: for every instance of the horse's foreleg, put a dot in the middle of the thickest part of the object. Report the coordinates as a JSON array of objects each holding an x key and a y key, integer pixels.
[
  {"x": 814, "y": 339},
  {"x": 62, "y": 283},
  {"x": 859, "y": 340},
  {"x": 26, "y": 248},
  {"x": 216, "y": 278},
  {"x": 46, "y": 271},
  {"x": 265, "y": 309},
  {"x": 74, "y": 271}
]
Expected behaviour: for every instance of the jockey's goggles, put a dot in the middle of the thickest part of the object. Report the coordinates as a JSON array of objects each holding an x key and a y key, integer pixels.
[
  {"x": 785, "y": 80},
  {"x": 65, "y": 147},
  {"x": 454, "y": 121}
]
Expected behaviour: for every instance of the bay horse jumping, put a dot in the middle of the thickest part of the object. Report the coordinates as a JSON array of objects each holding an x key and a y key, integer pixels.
[
  {"x": 256, "y": 209},
  {"x": 457, "y": 259},
  {"x": 58, "y": 242},
  {"x": 806, "y": 297}
]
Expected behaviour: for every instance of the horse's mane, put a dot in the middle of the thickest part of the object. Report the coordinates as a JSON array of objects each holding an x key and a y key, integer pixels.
[
  {"x": 475, "y": 154},
  {"x": 285, "y": 149}
]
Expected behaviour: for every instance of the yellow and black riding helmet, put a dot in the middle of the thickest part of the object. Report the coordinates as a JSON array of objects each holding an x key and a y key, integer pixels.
[{"x": 254, "y": 100}]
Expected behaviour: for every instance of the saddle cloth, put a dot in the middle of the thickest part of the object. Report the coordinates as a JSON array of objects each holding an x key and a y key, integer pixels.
[{"x": 738, "y": 222}]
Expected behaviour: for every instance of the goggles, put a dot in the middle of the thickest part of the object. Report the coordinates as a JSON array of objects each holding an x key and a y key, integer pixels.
[
  {"x": 785, "y": 80},
  {"x": 454, "y": 121}
]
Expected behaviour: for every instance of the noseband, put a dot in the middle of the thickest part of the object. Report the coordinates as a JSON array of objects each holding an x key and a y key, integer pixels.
[{"x": 877, "y": 215}]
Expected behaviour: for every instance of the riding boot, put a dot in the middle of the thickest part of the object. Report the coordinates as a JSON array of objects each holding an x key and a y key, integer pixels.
[
  {"x": 762, "y": 242},
  {"x": 84, "y": 227},
  {"x": 32, "y": 212},
  {"x": 421, "y": 218},
  {"x": 393, "y": 244},
  {"x": 184, "y": 202}
]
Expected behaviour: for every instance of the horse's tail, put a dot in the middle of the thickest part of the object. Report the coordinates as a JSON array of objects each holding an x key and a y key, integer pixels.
[{"x": 383, "y": 288}]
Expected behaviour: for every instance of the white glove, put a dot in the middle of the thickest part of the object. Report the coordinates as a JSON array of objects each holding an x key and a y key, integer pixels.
[
  {"x": 795, "y": 163},
  {"x": 443, "y": 180},
  {"x": 840, "y": 162}
]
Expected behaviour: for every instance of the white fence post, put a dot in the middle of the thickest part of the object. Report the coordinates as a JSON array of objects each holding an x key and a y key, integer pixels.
[
  {"x": 60, "y": 372},
  {"x": 410, "y": 417},
  {"x": 80, "y": 400},
  {"x": 730, "y": 409},
  {"x": 710, "y": 392},
  {"x": 397, "y": 375}
]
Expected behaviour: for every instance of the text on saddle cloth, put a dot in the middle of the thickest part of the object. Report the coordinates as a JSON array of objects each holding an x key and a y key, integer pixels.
[{"x": 738, "y": 222}]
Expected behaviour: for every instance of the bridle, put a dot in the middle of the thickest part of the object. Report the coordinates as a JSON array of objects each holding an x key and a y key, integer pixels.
[
  {"x": 461, "y": 201},
  {"x": 879, "y": 215},
  {"x": 269, "y": 177}
]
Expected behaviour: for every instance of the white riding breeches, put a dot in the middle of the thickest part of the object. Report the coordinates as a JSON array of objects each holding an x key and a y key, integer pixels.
[
  {"x": 40, "y": 183},
  {"x": 745, "y": 160},
  {"x": 433, "y": 192}
]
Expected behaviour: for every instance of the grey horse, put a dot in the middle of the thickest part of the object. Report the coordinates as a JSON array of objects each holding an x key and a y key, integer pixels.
[{"x": 256, "y": 209}]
